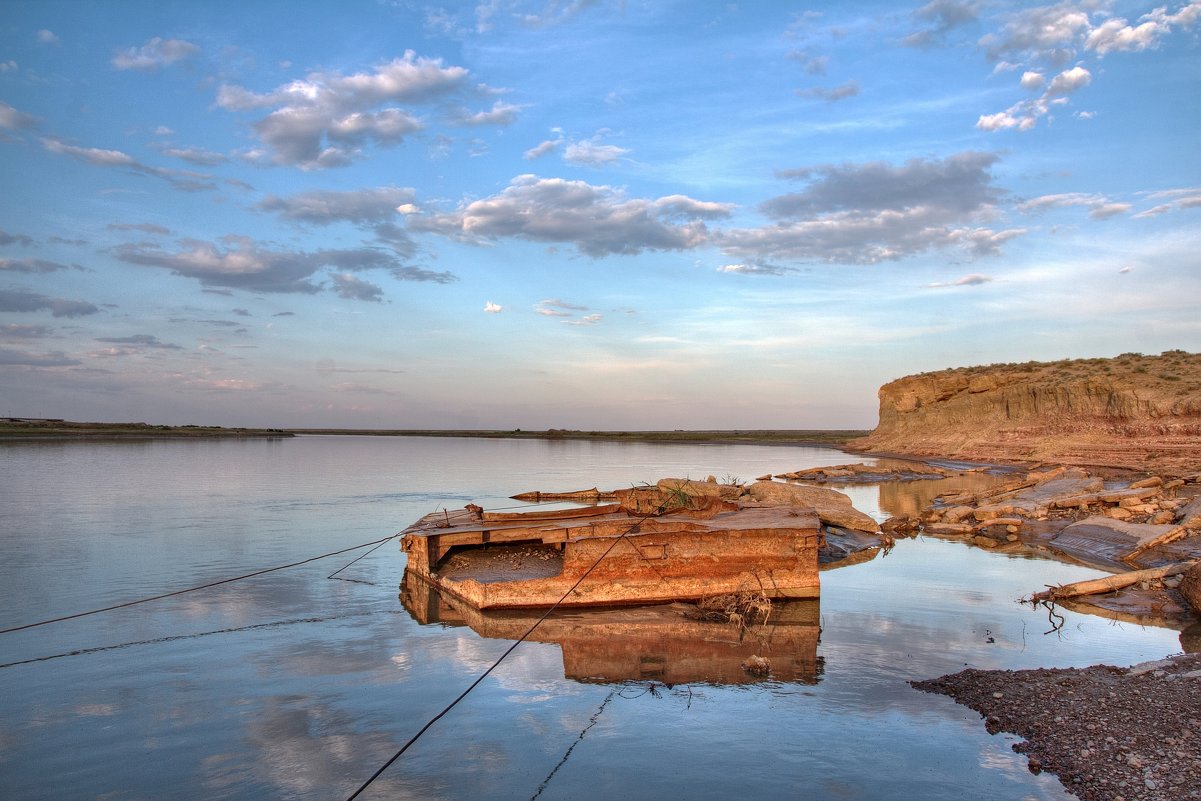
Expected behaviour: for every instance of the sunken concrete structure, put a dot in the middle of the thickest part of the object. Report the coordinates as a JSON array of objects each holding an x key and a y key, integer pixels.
[
  {"x": 665, "y": 643},
  {"x": 679, "y": 540}
]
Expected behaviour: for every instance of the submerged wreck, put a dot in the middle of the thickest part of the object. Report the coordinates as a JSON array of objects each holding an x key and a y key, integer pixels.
[
  {"x": 677, "y": 540},
  {"x": 668, "y": 643}
]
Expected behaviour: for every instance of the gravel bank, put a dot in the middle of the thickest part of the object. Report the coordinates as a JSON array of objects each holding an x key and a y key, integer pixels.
[{"x": 1108, "y": 733}]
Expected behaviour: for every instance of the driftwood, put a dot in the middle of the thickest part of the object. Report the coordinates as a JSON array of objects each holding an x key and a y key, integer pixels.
[
  {"x": 587, "y": 496},
  {"x": 1110, "y": 583}
]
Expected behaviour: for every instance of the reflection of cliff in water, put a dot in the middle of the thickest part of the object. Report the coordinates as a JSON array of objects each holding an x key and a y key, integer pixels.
[
  {"x": 640, "y": 643},
  {"x": 911, "y": 497}
]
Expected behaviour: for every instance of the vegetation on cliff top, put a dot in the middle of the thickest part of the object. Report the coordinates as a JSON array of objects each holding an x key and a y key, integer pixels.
[
  {"x": 1132, "y": 411},
  {"x": 1176, "y": 372}
]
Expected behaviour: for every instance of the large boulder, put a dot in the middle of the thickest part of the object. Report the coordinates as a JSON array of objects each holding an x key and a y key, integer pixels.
[{"x": 832, "y": 507}]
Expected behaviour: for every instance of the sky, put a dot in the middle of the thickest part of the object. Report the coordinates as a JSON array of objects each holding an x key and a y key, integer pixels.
[{"x": 597, "y": 215}]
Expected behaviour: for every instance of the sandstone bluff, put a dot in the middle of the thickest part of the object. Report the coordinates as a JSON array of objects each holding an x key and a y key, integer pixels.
[{"x": 1132, "y": 411}]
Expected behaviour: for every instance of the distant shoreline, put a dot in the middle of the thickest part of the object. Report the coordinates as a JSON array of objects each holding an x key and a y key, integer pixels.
[
  {"x": 27, "y": 429},
  {"x": 818, "y": 437}
]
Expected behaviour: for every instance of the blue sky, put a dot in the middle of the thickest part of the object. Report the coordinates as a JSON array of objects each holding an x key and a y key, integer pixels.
[{"x": 582, "y": 214}]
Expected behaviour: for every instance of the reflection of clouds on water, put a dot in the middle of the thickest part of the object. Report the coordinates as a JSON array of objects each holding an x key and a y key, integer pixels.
[
  {"x": 304, "y": 748},
  {"x": 368, "y": 653}
]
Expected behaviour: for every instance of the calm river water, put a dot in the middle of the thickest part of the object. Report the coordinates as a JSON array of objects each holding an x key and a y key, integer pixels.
[{"x": 295, "y": 685}]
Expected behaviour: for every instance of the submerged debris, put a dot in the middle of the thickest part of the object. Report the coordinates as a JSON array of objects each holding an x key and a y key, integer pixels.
[
  {"x": 860, "y": 473},
  {"x": 757, "y": 665},
  {"x": 743, "y": 609}
]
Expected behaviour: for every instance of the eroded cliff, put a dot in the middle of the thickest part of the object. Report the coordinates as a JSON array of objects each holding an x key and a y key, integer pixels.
[{"x": 1131, "y": 411}]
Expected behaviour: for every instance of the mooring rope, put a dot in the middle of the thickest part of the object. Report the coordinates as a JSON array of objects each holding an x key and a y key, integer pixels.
[
  {"x": 177, "y": 637},
  {"x": 495, "y": 664},
  {"x": 159, "y": 597},
  {"x": 591, "y": 722}
]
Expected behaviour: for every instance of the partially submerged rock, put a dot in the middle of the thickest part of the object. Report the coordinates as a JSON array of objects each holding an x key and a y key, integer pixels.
[
  {"x": 860, "y": 473},
  {"x": 1114, "y": 524},
  {"x": 832, "y": 507}
]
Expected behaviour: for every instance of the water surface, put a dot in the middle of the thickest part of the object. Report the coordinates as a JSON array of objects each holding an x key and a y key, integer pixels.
[{"x": 294, "y": 685}]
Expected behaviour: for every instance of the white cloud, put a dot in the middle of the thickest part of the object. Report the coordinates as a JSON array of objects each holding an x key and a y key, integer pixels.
[
  {"x": 1069, "y": 81},
  {"x": 13, "y": 120},
  {"x": 1107, "y": 210},
  {"x": 587, "y": 319},
  {"x": 1045, "y": 33},
  {"x": 598, "y": 220},
  {"x": 242, "y": 263},
  {"x": 34, "y": 266},
  {"x": 866, "y": 213},
  {"x": 186, "y": 180},
  {"x": 500, "y": 114},
  {"x": 327, "y": 118},
  {"x": 139, "y": 341},
  {"x": 379, "y": 209},
  {"x": 360, "y": 206},
  {"x": 1154, "y": 211},
  {"x": 20, "y": 300},
  {"x": 542, "y": 148},
  {"x": 974, "y": 279},
  {"x": 555, "y": 13},
  {"x": 8, "y": 66},
  {"x": 1117, "y": 35},
  {"x": 811, "y": 63},
  {"x": 591, "y": 153},
  {"x": 752, "y": 269},
  {"x": 196, "y": 155},
  {"x": 1050, "y": 36},
  {"x": 155, "y": 54},
  {"x": 832, "y": 94},
  {"x": 18, "y": 358},
  {"x": 566, "y": 312},
  {"x": 352, "y": 287},
  {"x": 1025, "y": 114},
  {"x": 45, "y": 36},
  {"x": 557, "y": 308},
  {"x": 940, "y": 17},
  {"x": 1099, "y": 206},
  {"x": 493, "y": 308}
]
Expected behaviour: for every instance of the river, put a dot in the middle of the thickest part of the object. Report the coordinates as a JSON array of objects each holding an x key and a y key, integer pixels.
[{"x": 293, "y": 685}]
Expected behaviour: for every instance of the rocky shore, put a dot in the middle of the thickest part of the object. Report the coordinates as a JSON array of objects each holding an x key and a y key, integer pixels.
[{"x": 1109, "y": 734}]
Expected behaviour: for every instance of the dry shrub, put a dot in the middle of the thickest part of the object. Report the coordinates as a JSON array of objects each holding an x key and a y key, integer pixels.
[{"x": 744, "y": 608}]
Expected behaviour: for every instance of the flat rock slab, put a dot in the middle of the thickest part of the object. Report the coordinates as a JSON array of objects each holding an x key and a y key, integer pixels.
[
  {"x": 1103, "y": 541},
  {"x": 1045, "y": 494},
  {"x": 832, "y": 507}
]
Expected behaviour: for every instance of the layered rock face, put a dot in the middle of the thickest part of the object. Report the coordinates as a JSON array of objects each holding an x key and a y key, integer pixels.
[{"x": 1133, "y": 411}]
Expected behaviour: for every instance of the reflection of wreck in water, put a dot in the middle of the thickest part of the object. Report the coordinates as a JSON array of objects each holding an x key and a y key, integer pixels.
[
  {"x": 655, "y": 545},
  {"x": 641, "y": 643}
]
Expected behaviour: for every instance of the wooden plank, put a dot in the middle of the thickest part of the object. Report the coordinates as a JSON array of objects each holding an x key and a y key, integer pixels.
[{"x": 554, "y": 514}]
